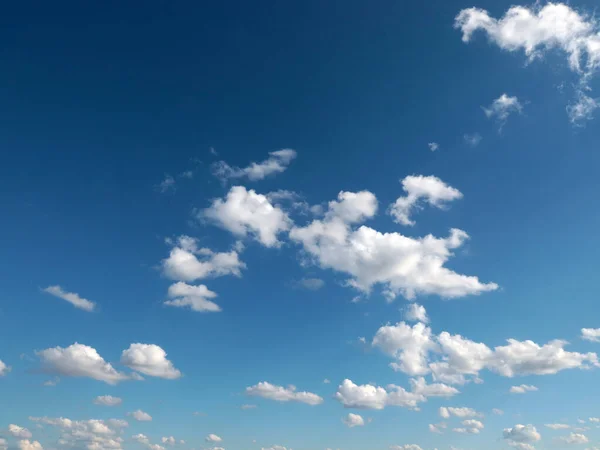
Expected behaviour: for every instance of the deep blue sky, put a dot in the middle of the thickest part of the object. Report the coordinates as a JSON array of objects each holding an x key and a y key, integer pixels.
[{"x": 100, "y": 100}]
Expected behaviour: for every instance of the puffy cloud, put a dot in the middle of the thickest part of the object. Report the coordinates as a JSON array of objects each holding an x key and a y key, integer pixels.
[
  {"x": 416, "y": 313},
  {"x": 213, "y": 438},
  {"x": 522, "y": 389},
  {"x": 245, "y": 212},
  {"x": 29, "y": 445},
  {"x": 183, "y": 295},
  {"x": 188, "y": 262},
  {"x": 402, "y": 265},
  {"x": 353, "y": 420},
  {"x": 472, "y": 425},
  {"x": 149, "y": 359},
  {"x": 282, "y": 394},
  {"x": 502, "y": 107},
  {"x": 574, "y": 438},
  {"x": 156, "y": 447},
  {"x": 420, "y": 386},
  {"x": 521, "y": 436},
  {"x": 472, "y": 139},
  {"x": 277, "y": 162},
  {"x": 590, "y": 334},
  {"x": 421, "y": 189},
  {"x": 79, "y": 360},
  {"x": 462, "y": 412},
  {"x": 557, "y": 426},
  {"x": 107, "y": 400},
  {"x": 19, "y": 432},
  {"x": 170, "y": 440},
  {"x": 433, "y": 146},
  {"x": 140, "y": 416},
  {"x": 4, "y": 369},
  {"x": 141, "y": 438},
  {"x": 71, "y": 297},
  {"x": 374, "y": 397}
]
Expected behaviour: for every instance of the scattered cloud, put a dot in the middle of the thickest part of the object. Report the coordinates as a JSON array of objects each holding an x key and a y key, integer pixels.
[
  {"x": 283, "y": 394},
  {"x": 277, "y": 162},
  {"x": 461, "y": 412},
  {"x": 19, "y": 432},
  {"x": 25, "y": 444},
  {"x": 502, "y": 107},
  {"x": 107, "y": 400},
  {"x": 521, "y": 436},
  {"x": 374, "y": 397},
  {"x": 71, "y": 297},
  {"x": 353, "y": 420},
  {"x": 522, "y": 389},
  {"x": 574, "y": 438},
  {"x": 196, "y": 298},
  {"x": 312, "y": 284},
  {"x": 140, "y": 416},
  {"x": 497, "y": 412},
  {"x": 405, "y": 447},
  {"x": 582, "y": 108},
  {"x": 557, "y": 426},
  {"x": 166, "y": 185},
  {"x": 213, "y": 438},
  {"x": 433, "y": 146},
  {"x": 4, "y": 369},
  {"x": 416, "y": 313},
  {"x": 472, "y": 139},
  {"x": 590, "y": 334},
  {"x": 149, "y": 359}
]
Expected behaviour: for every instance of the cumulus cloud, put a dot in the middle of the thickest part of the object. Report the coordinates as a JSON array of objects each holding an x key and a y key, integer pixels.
[
  {"x": 79, "y": 360},
  {"x": 107, "y": 400},
  {"x": 283, "y": 394},
  {"x": 402, "y": 265},
  {"x": 244, "y": 212},
  {"x": 149, "y": 359},
  {"x": 141, "y": 438},
  {"x": 353, "y": 420},
  {"x": 19, "y": 432},
  {"x": 521, "y": 436},
  {"x": 420, "y": 386},
  {"x": 189, "y": 262},
  {"x": 4, "y": 369},
  {"x": 461, "y": 412},
  {"x": 140, "y": 416},
  {"x": 277, "y": 162},
  {"x": 196, "y": 298},
  {"x": 574, "y": 438},
  {"x": 213, "y": 438},
  {"x": 71, "y": 297},
  {"x": 29, "y": 445},
  {"x": 590, "y": 334},
  {"x": 3, "y": 444},
  {"x": 522, "y": 389},
  {"x": 419, "y": 190},
  {"x": 416, "y": 313},
  {"x": 375, "y": 397},
  {"x": 276, "y": 447},
  {"x": 502, "y": 107}
]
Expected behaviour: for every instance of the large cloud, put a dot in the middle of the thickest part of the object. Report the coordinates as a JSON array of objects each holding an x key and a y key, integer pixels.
[
  {"x": 149, "y": 359},
  {"x": 283, "y": 394},
  {"x": 277, "y": 162},
  {"x": 79, "y": 360},
  {"x": 245, "y": 212},
  {"x": 402, "y": 265}
]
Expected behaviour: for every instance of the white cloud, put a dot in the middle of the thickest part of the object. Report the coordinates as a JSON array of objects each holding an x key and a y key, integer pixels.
[
  {"x": 168, "y": 440},
  {"x": 374, "y": 397},
  {"x": 277, "y": 162},
  {"x": 19, "y": 432},
  {"x": 416, "y": 313},
  {"x": 502, "y": 107},
  {"x": 402, "y": 265},
  {"x": 461, "y": 412},
  {"x": 437, "y": 428},
  {"x": 166, "y": 185},
  {"x": 213, "y": 438},
  {"x": 473, "y": 139},
  {"x": 30, "y": 445},
  {"x": 183, "y": 295},
  {"x": 420, "y": 386},
  {"x": 3, "y": 444},
  {"x": 140, "y": 416},
  {"x": 149, "y": 359},
  {"x": 590, "y": 334},
  {"x": 79, "y": 360},
  {"x": 141, "y": 438},
  {"x": 282, "y": 394},
  {"x": 107, "y": 400},
  {"x": 405, "y": 447},
  {"x": 521, "y": 436},
  {"x": 433, "y": 146},
  {"x": 522, "y": 389},
  {"x": 473, "y": 424},
  {"x": 276, "y": 447},
  {"x": 422, "y": 189},
  {"x": 71, "y": 297},
  {"x": 582, "y": 108},
  {"x": 156, "y": 447},
  {"x": 593, "y": 420},
  {"x": 353, "y": 420},
  {"x": 463, "y": 430},
  {"x": 4, "y": 369},
  {"x": 557, "y": 426},
  {"x": 245, "y": 212},
  {"x": 574, "y": 438},
  {"x": 326, "y": 381},
  {"x": 188, "y": 262}
]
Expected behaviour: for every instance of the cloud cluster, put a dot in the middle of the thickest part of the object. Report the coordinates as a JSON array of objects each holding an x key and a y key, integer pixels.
[
  {"x": 283, "y": 394},
  {"x": 277, "y": 162}
]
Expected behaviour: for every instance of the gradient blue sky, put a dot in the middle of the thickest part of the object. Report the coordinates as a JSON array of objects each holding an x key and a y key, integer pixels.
[{"x": 101, "y": 102}]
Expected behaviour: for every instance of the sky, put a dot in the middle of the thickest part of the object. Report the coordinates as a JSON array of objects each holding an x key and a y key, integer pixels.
[{"x": 299, "y": 225}]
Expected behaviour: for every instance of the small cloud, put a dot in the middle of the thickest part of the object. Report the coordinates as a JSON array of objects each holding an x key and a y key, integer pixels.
[
  {"x": 502, "y": 107},
  {"x": 188, "y": 174},
  {"x": 326, "y": 381},
  {"x": 312, "y": 284},
  {"x": 71, "y": 297},
  {"x": 166, "y": 185},
  {"x": 433, "y": 146},
  {"x": 245, "y": 407},
  {"x": 583, "y": 109},
  {"x": 472, "y": 140}
]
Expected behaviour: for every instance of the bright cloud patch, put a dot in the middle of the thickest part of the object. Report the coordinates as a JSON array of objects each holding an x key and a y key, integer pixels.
[
  {"x": 403, "y": 265},
  {"x": 25, "y": 444},
  {"x": 374, "y": 397},
  {"x": 72, "y": 298},
  {"x": 244, "y": 212},
  {"x": 282, "y": 394},
  {"x": 522, "y": 389},
  {"x": 79, "y": 360},
  {"x": 416, "y": 313},
  {"x": 107, "y": 400},
  {"x": 140, "y": 416},
  {"x": 213, "y": 438},
  {"x": 277, "y": 162},
  {"x": 353, "y": 420},
  {"x": 4, "y": 369},
  {"x": 574, "y": 439},
  {"x": 196, "y": 298},
  {"x": 149, "y": 359},
  {"x": 422, "y": 189},
  {"x": 590, "y": 334},
  {"x": 502, "y": 107},
  {"x": 19, "y": 432},
  {"x": 521, "y": 436},
  {"x": 461, "y": 412}
]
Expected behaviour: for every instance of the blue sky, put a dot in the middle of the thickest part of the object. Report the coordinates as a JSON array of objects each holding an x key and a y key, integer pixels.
[{"x": 308, "y": 226}]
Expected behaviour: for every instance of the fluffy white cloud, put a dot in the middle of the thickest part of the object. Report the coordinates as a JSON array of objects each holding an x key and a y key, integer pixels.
[
  {"x": 437, "y": 427},
  {"x": 421, "y": 189},
  {"x": 374, "y": 397},
  {"x": 502, "y": 107},
  {"x": 557, "y": 426},
  {"x": 420, "y": 386},
  {"x": 353, "y": 420},
  {"x": 91, "y": 434},
  {"x": 107, "y": 400},
  {"x": 188, "y": 262},
  {"x": 277, "y": 162},
  {"x": 4, "y": 369},
  {"x": 472, "y": 426},
  {"x": 405, "y": 447},
  {"x": 72, "y": 298},
  {"x": 522, "y": 389},
  {"x": 29, "y": 445},
  {"x": 416, "y": 313},
  {"x": 183, "y": 295},
  {"x": 213, "y": 438},
  {"x": 433, "y": 146},
  {"x": 590, "y": 334},
  {"x": 521, "y": 436},
  {"x": 245, "y": 212},
  {"x": 140, "y": 416},
  {"x": 283, "y": 394},
  {"x": 141, "y": 438},
  {"x": 79, "y": 360},
  {"x": 462, "y": 412},
  {"x": 402, "y": 265},
  {"x": 19, "y": 432},
  {"x": 574, "y": 438},
  {"x": 149, "y": 359}
]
